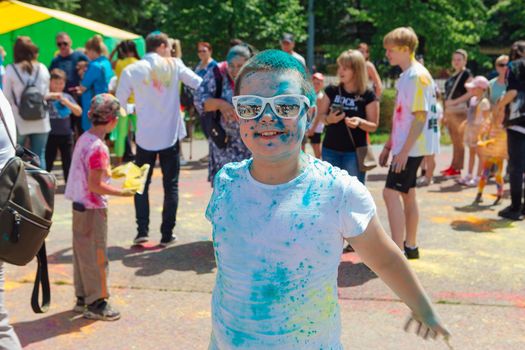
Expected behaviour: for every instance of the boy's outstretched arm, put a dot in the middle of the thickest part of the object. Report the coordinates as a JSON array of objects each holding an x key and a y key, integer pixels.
[{"x": 383, "y": 256}]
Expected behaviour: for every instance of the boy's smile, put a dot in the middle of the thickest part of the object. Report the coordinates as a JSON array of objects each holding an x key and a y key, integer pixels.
[{"x": 269, "y": 136}]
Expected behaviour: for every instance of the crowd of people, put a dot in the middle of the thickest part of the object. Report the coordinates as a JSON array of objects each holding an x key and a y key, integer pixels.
[{"x": 257, "y": 111}]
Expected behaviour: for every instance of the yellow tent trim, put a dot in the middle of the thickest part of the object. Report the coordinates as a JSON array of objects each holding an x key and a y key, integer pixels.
[
  {"x": 14, "y": 16},
  {"x": 73, "y": 19}
]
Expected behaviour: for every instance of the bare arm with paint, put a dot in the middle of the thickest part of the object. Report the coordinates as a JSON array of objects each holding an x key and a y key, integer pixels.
[
  {"x": 399, "y": 161},
  {"x": 382, "y": 255}
]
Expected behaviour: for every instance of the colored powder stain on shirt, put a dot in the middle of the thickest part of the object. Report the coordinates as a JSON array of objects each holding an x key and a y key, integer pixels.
[
  {"x": 307, "y": 198},
  {"x": 98, "y": 160},
  {"x": 285, "y": 293}
]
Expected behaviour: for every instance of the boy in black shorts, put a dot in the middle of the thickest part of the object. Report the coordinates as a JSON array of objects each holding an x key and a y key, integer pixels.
[{"x": 414, "y": 135}]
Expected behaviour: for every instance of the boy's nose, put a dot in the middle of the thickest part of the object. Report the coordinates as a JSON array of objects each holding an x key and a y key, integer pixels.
[{"x": 268, "y": 116}]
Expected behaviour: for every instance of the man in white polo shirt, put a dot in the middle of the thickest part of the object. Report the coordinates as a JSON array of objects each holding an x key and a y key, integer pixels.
[{"x": 154, "y": 80}]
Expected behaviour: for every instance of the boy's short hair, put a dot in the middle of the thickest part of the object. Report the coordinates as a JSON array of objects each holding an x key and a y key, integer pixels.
[
  {"x": 276, "y": 61},
  {"x": 58, "y": 73},
  {"x": 156, "y": 39},
  {"x": 462, "y": 53},
  {"x": 105, "y": 108},
  {"x": 402, "y": 36}
]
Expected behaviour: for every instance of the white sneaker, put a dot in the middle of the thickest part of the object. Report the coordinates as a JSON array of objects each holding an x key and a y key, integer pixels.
[
  {"x": 423, "y": 181},
  {"x": 464, "y": 180},
  {"x": 472, "y": 182}
]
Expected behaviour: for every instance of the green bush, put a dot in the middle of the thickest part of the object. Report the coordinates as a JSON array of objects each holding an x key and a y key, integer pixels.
[{"x": 386, "y": 110}]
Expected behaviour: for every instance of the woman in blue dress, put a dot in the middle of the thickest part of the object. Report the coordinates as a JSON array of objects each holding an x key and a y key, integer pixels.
[{"x": 208, "y": 101}]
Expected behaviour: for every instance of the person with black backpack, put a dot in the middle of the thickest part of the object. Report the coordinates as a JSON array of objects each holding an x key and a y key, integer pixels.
[
  {"x": 26, "y": 85},
  {"x": 8, "y": 338}
]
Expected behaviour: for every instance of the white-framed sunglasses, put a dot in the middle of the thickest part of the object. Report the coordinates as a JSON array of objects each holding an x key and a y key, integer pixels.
[{"x": 284, "y": 106}]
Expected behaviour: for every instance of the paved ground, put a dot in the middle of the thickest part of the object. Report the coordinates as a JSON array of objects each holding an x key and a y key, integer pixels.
[{"x": 472, "y": 265}]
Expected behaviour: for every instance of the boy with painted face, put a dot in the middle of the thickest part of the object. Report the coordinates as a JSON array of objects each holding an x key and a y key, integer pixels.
[
  {"x": 268, "y": 209},
  {"x": 415, "y": 134}
]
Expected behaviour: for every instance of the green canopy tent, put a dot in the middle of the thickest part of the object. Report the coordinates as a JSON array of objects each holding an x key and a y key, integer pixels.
[{"x": 42, "y": 24}]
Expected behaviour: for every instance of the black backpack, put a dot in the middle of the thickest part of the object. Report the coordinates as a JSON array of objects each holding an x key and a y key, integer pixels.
[
  {"x": 32, "y": 104},
  {"x": 26, "y": 207},
  {"x": 214, "y": 128}
]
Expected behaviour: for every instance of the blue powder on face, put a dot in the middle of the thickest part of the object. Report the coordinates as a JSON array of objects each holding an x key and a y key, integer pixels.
[{"x": 280, "y": 61}]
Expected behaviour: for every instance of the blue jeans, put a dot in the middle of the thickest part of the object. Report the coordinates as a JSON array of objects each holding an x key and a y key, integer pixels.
[
  {"x": 170, "y": 166},
  {"x": 37, "y": 145},
  {"x": 344, "y": 160}
]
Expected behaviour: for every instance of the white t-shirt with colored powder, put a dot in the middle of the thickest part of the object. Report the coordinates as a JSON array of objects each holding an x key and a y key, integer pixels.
[
  {"x": 91, "y": 153},
  {"x": 278, "y": 249},
  {"x": 416, "y": 92}
]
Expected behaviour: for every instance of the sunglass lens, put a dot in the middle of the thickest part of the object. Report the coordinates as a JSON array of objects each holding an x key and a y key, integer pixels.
[
  {"x": 62, "y": 44},
  {"x": 287, "y": 106},
  {"x": 249, "y": 107}
]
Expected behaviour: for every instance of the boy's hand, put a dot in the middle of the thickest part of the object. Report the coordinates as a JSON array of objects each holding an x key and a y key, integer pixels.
[
  {"x": 431, "y": 327},
  {"x": 128, "y": 192},
  {"x": 310, "y": 132},
  {"x": 399, "y": 162},
  {"x": 54, "y": 96},
  {"x": 383, "y": 157}
]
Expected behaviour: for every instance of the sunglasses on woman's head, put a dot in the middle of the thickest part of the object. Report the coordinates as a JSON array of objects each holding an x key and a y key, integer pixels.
[
  {"x": 502, "y": 65},
  {"x": 284, "y": 106}
]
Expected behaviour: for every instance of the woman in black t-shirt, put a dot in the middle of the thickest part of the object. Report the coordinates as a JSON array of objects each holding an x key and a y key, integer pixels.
[
  {"x": 456, "y": 97},
  {"x": 349, "y": 108}
]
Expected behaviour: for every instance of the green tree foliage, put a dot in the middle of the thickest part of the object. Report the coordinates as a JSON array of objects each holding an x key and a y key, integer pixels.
[
  {"x": 442, "y": 25},
  {"x": 64, "y": 5},
  {"x": 507, "y": 19},
  {"x": 258, "y": 22}
]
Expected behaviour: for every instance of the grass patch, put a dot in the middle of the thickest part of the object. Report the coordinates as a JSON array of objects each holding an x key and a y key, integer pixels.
[{"x": 379, "y": 138}]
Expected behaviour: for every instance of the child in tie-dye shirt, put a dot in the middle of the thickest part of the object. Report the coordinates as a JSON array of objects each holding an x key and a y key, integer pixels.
[{"x": 279, "y": 221}]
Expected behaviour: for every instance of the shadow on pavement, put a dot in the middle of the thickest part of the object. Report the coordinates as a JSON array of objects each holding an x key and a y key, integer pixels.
[
  {"x": 474, "y": 207},
  {"x": 455, "y": 187},
  {"x": 376, "y": 177},
  {"x": 149, "y": 261},
  {"x": 52, "y": 326},
  {"x": 153, "y": 260},
  {"x": 475, "y": 224},
  {"x": 194, "y": 165},
  {"x": 351, "y": 275}
]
